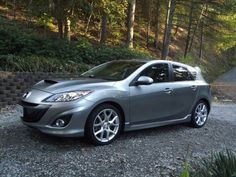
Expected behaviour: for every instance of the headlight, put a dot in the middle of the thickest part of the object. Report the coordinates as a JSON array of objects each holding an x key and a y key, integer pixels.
[{"x": 67, "y": 96}]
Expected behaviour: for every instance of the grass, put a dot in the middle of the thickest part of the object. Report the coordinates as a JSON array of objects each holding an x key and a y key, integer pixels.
[{"x": 221, "y": 164}]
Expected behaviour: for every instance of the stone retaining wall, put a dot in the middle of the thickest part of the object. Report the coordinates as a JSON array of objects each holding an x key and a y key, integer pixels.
[{"x": 14, "y": 84}]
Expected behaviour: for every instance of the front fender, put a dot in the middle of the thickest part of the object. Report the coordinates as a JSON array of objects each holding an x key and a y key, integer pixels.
[{"x": 120, "y": 98}]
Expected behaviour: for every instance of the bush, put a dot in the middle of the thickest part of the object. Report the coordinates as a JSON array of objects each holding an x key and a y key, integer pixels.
[
  {"x": 21, "y": 51},
  {"x": 38, "y": 63},
  {"x": 222, "y": 164}
]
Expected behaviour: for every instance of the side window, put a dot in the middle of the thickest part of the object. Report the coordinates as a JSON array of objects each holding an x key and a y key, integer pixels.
[
  {"x": 181, "y": 74},
  {"x": 159, "y": 72}
]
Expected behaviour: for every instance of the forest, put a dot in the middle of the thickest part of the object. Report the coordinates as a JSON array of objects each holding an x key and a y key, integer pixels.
[{"x": 73, "y": 35}]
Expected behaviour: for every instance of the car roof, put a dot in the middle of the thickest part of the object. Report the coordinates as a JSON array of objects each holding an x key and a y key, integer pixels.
[
  {"x": 148, "y": 61},
  {"x": 157, "y": 61}
]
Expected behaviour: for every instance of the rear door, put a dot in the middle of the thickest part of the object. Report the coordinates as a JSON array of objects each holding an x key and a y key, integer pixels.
[{"x": 185, "y": 91}]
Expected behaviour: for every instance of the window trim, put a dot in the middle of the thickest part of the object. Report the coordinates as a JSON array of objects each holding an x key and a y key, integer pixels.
[{"x": 132, "y": 83}]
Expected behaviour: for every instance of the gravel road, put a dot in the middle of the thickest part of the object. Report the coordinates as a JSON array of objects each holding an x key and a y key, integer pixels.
[{"x": 152, "y": 152}]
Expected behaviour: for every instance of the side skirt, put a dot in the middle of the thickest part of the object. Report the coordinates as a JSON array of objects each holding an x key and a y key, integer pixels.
[{"x": 129, "y": 127}]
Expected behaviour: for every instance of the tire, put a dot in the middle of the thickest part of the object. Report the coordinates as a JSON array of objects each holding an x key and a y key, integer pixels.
[
  {"x": 199, "y": 114},
  {"x": 103, "y": 125}
]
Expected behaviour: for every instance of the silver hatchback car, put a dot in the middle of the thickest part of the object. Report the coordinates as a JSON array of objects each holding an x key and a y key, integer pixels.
[{"x": 116, "y": 96}]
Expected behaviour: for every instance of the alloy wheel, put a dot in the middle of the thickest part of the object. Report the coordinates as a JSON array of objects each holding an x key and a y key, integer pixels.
[
  {"x": 201, "y": 113},
  {"x": 106, "y": 125}
]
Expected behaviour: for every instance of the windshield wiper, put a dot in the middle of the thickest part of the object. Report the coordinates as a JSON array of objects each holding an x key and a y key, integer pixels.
[{"x": 91, "y": 76}]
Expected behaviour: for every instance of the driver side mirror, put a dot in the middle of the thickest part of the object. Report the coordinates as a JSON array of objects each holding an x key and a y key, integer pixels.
[{"x": 144, "y": 80}]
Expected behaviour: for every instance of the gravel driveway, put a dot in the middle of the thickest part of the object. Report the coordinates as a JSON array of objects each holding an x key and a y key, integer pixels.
[{"x": 26, "y": 152}]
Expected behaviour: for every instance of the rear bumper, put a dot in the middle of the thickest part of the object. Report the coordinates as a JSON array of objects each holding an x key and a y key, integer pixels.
[{"x": 43, "y": 117}]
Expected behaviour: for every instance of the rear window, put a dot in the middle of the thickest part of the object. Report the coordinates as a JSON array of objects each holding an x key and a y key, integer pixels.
[{"x": 181, "y": 74}]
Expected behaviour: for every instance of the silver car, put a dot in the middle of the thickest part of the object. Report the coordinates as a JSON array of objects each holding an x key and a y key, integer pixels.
[{"x": 117, "y": 96}]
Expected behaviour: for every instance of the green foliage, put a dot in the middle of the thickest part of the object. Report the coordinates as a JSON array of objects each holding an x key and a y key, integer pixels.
[
  {"x": 185, "y": 172},
  {"x": 189, "y": 59},
  {"x": 20, "y": 51},
  {"x": 38, "y": 63},
  {"x": 210, "y": 69},
  {"x": 222, "y": 164},
  {"x": 45, "y": 19}
]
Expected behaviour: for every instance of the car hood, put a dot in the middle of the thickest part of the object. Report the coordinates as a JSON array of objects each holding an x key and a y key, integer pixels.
[{"x": 58, "y": 86}]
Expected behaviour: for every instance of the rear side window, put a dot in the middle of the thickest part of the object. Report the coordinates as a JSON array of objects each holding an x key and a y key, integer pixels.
[
  {"x": 159, "y": 72},
  {"x": 181, "y": 74}
]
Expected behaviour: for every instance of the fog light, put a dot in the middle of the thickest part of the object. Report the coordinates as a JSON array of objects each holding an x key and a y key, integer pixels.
[{"x": 60, "y": 123}]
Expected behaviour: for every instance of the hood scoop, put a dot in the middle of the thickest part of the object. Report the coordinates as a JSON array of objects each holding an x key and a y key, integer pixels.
[{"x": 47, "y": 81}]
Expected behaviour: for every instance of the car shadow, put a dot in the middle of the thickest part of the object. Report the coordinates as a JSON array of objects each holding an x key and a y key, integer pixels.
[{"x": 71, "y": 142}]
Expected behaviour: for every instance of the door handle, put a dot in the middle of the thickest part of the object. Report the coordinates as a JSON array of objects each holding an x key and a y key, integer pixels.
[
  {"x": 168, "y": 90},
  {"x": 193, "y": 87}
]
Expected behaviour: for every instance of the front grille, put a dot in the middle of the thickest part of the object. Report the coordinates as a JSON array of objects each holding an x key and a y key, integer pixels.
[{"x": 33, "y": 114}]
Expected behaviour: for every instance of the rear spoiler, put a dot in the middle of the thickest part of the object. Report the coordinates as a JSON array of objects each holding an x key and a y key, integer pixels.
[
  {"x": 198, "y": 73},
  {"x": 198, "y": 69}
]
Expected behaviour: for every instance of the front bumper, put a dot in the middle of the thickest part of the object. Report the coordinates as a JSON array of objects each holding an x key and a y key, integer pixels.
[{"x": 43, "y": 116}]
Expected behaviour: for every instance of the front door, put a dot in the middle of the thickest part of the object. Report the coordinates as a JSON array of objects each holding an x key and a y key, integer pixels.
[{"x": 149, "y": 103}]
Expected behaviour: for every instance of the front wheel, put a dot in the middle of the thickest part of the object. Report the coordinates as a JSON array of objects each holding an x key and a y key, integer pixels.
[
  {"x": 200, "y": 114},
  {"x": 103, "y": 125}
]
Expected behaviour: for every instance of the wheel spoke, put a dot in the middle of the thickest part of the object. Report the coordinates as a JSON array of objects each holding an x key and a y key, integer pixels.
[
  {"x": 109, "y": 115},
  {"x": 203, "y": 108},
  {"x": 113, "y": 120},
  {"x": 100, "y": 121},
  {"x": 102, "y": 134},
  {"x": 112, "y": 131},
  {"x": 99, "y": 131},
  {"x": 108, "y": 133},
  {"x": 97, "y": 125},
  {"x": 114, "y": 125}
]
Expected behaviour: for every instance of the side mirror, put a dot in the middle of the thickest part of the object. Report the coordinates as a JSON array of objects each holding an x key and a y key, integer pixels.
[{"x": 144, "y": 80}]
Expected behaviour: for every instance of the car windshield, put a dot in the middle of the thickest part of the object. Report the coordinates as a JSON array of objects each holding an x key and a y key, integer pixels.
[{"x": 114, "y": 71}]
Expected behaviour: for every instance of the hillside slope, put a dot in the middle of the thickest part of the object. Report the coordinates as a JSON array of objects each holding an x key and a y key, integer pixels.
[{"x": 36, "y": 47}]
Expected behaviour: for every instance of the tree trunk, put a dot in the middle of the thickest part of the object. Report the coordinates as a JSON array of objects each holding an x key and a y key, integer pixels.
[
  {"x": 176, "y": 29},
  {"x": 168, "y": 28},
  {"x": 148, "y": 23},
  {"x": 14, "y": 9},
  {"x": 202, "y": 36},
  {"x": 201, "y": 41},
  {"x": 87, "y": 24},
  {"x": 156, "y": 40},
  {"x": 29, "y": 14},
  {"x": 67, "y": 29},
  {"x": 89, "y": 19},
  {"x": 60, "y": 28},
  {"x": 130, "y": 23},
  {"x": 189, "y": 29},
  {"x": 103, "y": 34},
  {"x": 196, "y": 27},
  {"x": 177, "y": 26},
  {"x": 147, "y": 35}
]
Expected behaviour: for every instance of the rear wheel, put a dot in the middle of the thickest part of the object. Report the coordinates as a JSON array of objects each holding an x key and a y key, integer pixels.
[
  {"x": 103, "y": 125},
  {"x": 200, "y": 114}
]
